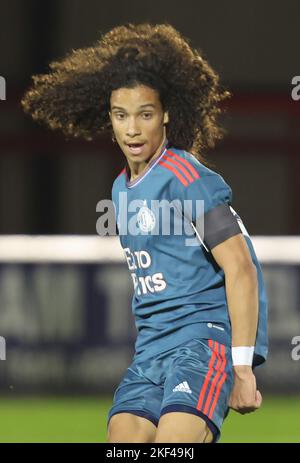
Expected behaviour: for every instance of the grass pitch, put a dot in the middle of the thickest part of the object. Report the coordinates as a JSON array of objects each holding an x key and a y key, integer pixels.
[{"x": 83, "y": 419}]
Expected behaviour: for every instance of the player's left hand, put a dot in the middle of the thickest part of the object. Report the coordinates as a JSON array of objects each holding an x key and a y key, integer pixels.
[{"x": 244, "y": 398}]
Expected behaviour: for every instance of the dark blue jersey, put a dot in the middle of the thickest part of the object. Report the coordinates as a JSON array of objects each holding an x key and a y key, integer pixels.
[{"x": 169, "y": 219}]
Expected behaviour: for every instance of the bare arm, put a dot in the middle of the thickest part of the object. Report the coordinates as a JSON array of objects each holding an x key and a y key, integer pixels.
[{"x": 241, "y": 284}]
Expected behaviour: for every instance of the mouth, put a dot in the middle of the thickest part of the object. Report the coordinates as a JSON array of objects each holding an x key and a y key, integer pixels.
[{"x": 135, "y": 148}]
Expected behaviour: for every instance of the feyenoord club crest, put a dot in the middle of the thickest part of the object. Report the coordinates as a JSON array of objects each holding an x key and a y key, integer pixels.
[{"x": 145, "y": 218}]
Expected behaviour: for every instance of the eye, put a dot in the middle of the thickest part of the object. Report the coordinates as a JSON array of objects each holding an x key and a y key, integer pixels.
[
  {"x": 147, "y": 115},
  {"x": 120, "y": 116}
]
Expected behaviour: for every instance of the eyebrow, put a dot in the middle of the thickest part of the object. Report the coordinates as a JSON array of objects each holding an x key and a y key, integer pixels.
[{"x": 142, "y": 106}]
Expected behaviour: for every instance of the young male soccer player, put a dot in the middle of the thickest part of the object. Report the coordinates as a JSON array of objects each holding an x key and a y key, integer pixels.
[{"x": 200, "y": 310}]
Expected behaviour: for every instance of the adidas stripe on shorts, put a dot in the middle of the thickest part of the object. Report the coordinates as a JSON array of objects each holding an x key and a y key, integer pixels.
[{"x": 195, "y": 377}]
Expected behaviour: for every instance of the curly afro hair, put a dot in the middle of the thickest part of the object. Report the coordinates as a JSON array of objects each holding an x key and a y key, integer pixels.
[{"x": 75, "y": 95}]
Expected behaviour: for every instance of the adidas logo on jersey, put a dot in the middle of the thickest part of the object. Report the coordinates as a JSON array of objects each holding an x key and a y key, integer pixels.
[{"x": 182, "y": 387}]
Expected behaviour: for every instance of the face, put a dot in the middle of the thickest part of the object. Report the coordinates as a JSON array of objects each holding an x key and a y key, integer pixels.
[{"x": 138, "y": 120}]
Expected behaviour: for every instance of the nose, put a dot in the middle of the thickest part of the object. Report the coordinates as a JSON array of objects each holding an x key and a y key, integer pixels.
[{"x": 132, "y": 128}]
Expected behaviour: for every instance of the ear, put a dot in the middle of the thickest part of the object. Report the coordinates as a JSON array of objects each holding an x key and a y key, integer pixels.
[{"x": 166, "y": 117}]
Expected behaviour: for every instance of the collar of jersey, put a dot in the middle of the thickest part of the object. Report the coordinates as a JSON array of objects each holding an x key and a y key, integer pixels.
[{"x": 151, "y": 165}]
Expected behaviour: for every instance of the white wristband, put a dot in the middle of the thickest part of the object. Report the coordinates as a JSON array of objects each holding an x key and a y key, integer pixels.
[{"x": 242, "y": 355}]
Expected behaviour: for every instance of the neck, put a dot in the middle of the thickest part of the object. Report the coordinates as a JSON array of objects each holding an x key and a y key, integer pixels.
[{"x": 137, "y": 168}]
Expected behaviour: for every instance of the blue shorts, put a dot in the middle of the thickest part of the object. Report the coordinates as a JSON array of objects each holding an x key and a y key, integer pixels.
[{"x": 195, "y": 377}]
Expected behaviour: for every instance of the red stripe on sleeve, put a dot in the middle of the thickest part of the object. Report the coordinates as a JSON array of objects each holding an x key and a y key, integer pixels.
[
  {"x": 180, "y": 167},
  {"x": 186, "y": 163},
  {"x": 122, "y": 172},
  {"x": 172, "y": 169}
]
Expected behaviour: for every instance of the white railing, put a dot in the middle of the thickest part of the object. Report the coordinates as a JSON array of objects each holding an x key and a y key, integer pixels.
[{"x": 79, "y": 248}]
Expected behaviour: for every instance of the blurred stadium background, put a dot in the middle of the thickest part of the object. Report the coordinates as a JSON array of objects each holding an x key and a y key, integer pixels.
[{"x": 64, "y": 292}]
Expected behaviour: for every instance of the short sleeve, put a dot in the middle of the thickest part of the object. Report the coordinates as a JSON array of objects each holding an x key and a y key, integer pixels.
[
  {"x": 206, "y": 206},
  {"x": 211, "y": 189}
]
